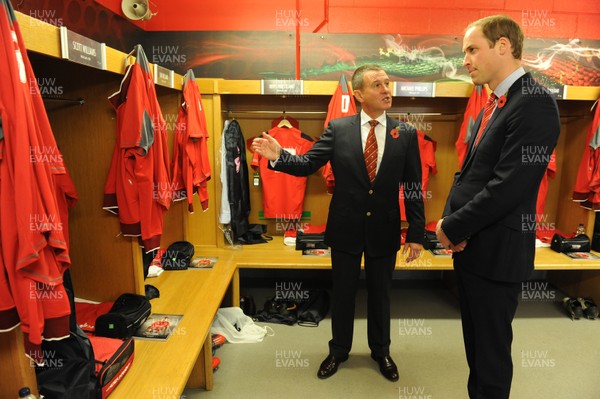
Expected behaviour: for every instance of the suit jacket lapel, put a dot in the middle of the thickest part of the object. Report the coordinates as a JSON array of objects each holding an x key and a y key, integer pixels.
[
  {"x": 472, "y": 140},
  {"x": 390, "y": 124},
  {"x": 511, "y": 91}
]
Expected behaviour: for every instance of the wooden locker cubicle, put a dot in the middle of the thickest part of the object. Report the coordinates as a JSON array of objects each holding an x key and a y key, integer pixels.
[{"x": 104, "y": 264}]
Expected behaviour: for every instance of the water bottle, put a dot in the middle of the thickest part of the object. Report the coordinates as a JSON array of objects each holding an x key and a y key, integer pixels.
[{"x": 25, "y": 393}]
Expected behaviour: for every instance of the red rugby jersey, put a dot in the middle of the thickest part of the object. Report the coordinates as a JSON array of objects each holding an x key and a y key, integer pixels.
[{"x": 283, "y": 194}]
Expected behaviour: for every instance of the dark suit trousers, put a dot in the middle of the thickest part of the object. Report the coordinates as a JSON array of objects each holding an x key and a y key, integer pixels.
[
  {"x": 345, "y": 276},
  {"x": 487, "y": 310}
]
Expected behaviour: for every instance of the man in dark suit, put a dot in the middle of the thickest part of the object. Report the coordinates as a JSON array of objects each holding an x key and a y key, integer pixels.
[
  {"x": 494, "y": 196},
  {"x": 371, "y": 155}
]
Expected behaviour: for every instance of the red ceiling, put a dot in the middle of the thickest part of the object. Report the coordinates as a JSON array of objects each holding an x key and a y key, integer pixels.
[
  {"x": 539, "y": 18},
  {"x": 193, "y": 15}
]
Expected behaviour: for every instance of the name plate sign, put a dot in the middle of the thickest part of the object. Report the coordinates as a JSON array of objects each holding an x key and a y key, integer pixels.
[{"x": 81, "y": 49}]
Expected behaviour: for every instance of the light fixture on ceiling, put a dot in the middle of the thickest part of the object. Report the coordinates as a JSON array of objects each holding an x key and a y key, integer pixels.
[{"x": 137, "y": 10}]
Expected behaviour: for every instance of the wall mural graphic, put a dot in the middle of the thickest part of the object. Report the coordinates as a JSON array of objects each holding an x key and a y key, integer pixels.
[{"x": 271, "y": 55}]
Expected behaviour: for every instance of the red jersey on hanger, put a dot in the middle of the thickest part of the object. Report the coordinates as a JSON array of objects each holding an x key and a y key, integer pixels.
[
  {"x": 33, "y": 250},
  {"x": 191, "y": 168},
  {"x": 283, "y": 194},
  {"x": 341, "y": 104},
  {"x": 428, "y": 166},
  {"x": 587, "y": 185},
  {"x": 138, "y": 184}
]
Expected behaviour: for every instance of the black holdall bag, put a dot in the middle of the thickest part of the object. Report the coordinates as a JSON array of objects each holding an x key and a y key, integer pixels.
[
  {"x": 579, "y": 243},
  {"x": 178, "y": 256},
  {"x": 69, "y": 368},
  {"x": 310, "y": 241},
  {"x": 431, "y": 241},
  {"x": 314, "y": 309},
  {"x": 278, "y": 311},
  {"x": 125, "y": 316}
]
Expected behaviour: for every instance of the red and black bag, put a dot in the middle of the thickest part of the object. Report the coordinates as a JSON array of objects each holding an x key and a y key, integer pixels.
[
  {"x": 125, "y": 316},
  {"x": 113, "y": 359}
]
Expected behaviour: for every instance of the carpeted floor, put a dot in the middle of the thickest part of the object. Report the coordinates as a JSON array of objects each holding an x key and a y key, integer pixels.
[{"x": 553, "y": 357}]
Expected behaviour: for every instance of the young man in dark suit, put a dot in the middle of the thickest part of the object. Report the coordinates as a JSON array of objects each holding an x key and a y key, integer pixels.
[
  {"x": 371, "y": 155},
  {"x": 494, "y": 196}
]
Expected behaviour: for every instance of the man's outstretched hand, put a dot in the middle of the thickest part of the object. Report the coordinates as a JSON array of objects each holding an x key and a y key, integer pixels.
[{"x": 267, "y": 147}]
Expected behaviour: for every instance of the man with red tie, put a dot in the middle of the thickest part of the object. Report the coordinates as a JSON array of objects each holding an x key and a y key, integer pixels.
[
  {"x": 371, "y": 154},
  {"x": 493, "y": 196}
]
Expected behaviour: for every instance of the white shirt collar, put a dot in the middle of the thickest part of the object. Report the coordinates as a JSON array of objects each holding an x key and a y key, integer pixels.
[
  {"x": 364, "y": 118},
  {"x": 503, "y": 87}
]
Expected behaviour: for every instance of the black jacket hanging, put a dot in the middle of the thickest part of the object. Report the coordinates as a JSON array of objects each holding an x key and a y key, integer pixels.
[{"x": 238, "y": 187}]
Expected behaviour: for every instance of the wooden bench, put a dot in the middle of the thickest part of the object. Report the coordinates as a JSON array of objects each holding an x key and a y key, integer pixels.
[
  {"x": 276, "y": 255},
  {"x": 165, "y": 369}
]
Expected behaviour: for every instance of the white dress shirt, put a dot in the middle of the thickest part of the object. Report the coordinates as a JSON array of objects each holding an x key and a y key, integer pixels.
[{"x": 380, "y": 130}]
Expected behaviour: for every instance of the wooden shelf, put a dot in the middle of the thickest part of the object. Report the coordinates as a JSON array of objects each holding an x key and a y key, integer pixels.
[
  {"x": 44, "y": 38},
  {"x": 442, "y": 89}
]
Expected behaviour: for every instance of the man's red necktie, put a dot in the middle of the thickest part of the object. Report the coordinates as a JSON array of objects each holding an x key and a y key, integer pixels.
[
  {"x": 371, "y": 151},
  {"x": 487, "y": 114}
]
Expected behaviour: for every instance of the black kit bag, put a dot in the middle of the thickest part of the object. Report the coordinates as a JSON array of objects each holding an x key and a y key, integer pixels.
[
  {"x": 178, "y": 256},
  {"x": 431, "y": 241},
  {"x": 278, "y": 311},
  {"x": 69, "y": 371},
  {"x": 579, "y": 243},
  {"x": 310, "y": 241},
  {"x": 314, "y": 309},
  {"x": 247, "y": 305},
  {"x": 113, "y": 358},
  {"x": 127, "y": 313}
]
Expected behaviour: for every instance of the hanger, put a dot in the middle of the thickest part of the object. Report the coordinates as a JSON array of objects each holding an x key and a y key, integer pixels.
[{"x": 284, "y": 123}]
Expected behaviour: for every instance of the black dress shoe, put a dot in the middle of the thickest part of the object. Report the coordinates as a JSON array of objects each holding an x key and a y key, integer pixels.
[
  {"x": 590, "y": 309},
  {"x": 387, "y": 367},
  {"x": 329, "y": 366}
]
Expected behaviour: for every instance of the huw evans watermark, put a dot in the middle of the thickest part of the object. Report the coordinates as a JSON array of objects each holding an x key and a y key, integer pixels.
[
  {"x": 538, "y": 291},
  {"x": 536, "y": 154},
  {"x": 537, "y": 19},
  {"x": 414, "y": 327},
  {"x": 537, "y": 359},
  {"x": 290, "y": 291},
  {"x": 290, "y": 359},
  {"x": 413, "y": 392},
  {"x": 532, "y": 222},
  {"x": 166, "y": 393},
  {"x": 290, "y": 18}
]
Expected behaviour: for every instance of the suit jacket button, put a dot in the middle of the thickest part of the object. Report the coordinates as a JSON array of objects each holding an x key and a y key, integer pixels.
[
  {"x": 368, "y": 213},
  {"x": 370, "y": 191}
]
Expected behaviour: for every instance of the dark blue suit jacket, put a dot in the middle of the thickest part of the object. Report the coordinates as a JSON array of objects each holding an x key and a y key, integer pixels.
[
  {"x": 364, "y": 216},
  {"x": 493, "y": 198}
]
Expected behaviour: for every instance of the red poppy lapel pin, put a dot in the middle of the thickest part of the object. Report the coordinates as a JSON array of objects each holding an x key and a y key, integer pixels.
[
  {"x": 501, "y": 101},
  {"x": 394, "y": 133}
]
